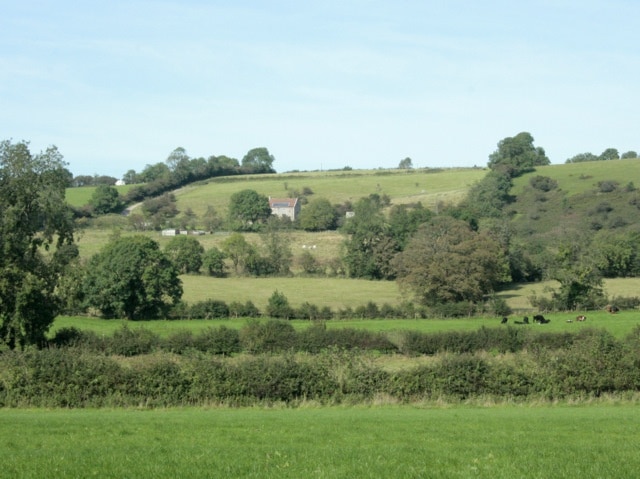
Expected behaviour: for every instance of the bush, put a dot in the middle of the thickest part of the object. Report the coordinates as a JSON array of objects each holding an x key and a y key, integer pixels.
[
  {"x": 246, "y": 310},
  {"x": 607, "y": 186},
  {"x": 209, "y": 309},
  {"x": 223, "y": 341},
  {"x": 278, "y": 306},
  {"x": 132, "y": 342},
  {"x": 268, "y": 337},
  {"x": 543, "y": 183}
]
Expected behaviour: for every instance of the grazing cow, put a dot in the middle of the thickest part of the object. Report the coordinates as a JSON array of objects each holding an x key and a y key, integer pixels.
[
  {"x": 611, "y": 308},
  {"x": 538, "y": 318},
  {"x": 581, "y": 317},
  {"x": 525, "y": 320},
  {"x": 504, "y": 320}
]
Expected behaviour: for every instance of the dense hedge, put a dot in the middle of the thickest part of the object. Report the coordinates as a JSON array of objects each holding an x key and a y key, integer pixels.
[{"x": 592, "y": 364}]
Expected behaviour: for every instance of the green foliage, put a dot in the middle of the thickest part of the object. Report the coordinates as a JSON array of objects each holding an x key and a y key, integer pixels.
[
  {"x": 610, "y": 154},
  {"x": 446, "y": 261},
  {"x": 404, "y": 221},
  {"x": 268, "y": 337},
  {"x": 131, "y": 278},
  {"x": 582, "y": 157},
  {"x": 580, "y": 279},
  {"x": 186, "y": 254},
  {"x": 209, "y": 309},
  {"x": 36, "y": 241},
  {"x": 238, "y": 250},
  {"x": 543, "y": 183},
  {"x": 318, "y": 215},
  {"x": 160, "y": 210},
  {"x": 278, "y": 306},
  {"x": 258, "y": 160},
  {"x": 247, "y": 209},
  {"x": 106, "y": 199},
  {"x": 369, "y": 249},
  {"x": 516, "y": 155},
  {"x": 213, "y": 262},
  {"x": 405, "y": 164}
]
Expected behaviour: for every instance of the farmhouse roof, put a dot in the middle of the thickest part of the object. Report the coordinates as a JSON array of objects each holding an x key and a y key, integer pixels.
[{"x": 282, "y": 202}]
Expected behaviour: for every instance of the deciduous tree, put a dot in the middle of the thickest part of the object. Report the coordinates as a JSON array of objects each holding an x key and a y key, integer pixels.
[
  {"x": 247, "y": 209},
  {"x": 516, "y": 155},
  {"x": 131, "y": 278},
  {"x": 34, "y": 218},
  {"x": 258, "y": 160},
  {"x": 447, "y": 261},
  {"x": 185, "y": 252},
  {"x": 318, "y": 215}
]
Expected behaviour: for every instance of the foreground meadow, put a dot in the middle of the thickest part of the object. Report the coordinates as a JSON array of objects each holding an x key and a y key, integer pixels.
[{"x": 599, "y": 440}]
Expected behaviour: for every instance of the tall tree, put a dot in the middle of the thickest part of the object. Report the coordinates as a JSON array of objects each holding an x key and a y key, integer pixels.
[
  {"x": 318, "y": 215},
  {"x": 258, "y": 160},
  {"x": 247, "y": 209},
  {"x": 34, "y": 217},
  {"x": 369, "y": 248},
  {"x": 517, "y": 155},
  {"x": 105, "y": 199},
  {"x": 185, "y": 252},
  {"x": 131, "y": 278},
  {"x": 238, "y": 250},
  {"x": 447, "y": 261}
]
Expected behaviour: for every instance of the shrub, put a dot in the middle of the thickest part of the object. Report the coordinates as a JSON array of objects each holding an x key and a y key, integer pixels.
[
  {"x": 246, "y": 310},
  {"x": 543, "y": 183},
  {"x": 278, "y": 306},
  {"x": 209, "y": 309},
  {"x": 267, "y": 337},
  {"x": 607, "y": 186},
  {"x": 132, "y": 342},
  {"x": 223, "y": 341}
]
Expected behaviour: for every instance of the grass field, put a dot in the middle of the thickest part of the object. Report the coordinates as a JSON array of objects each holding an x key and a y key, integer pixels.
[
  {"x": 402, "y": 186},
  {"x": 599, "y": 440},
  {"x": 619, "y": 325}
]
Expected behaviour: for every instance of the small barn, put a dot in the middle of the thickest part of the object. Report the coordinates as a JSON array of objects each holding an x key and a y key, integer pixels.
[{"x": 285, "y": 207}]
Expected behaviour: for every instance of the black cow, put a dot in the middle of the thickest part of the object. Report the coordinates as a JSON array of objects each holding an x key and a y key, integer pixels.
[
  {"x": 538, "y": 318},
  {"x": 504, "y": 320}
]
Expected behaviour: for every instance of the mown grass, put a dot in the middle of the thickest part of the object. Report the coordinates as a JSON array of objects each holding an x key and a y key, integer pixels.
[
  {"x": 336, "y": 293},
  {"x": 367, "y": 442}
]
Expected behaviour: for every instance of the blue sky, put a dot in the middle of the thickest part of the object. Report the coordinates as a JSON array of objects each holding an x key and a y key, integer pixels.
[{"x": 118, "y": 85}]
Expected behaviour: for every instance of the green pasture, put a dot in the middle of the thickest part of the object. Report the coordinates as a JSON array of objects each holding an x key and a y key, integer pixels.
[
  {"x": 619, "y": 324},
  {"x": 599, "y": 440},
  {"x": 577, "y": 178},
  {"x": 337, "y": 293},
  {"x": 81, "y": 195},
  {"x": 402, "y": 186}
]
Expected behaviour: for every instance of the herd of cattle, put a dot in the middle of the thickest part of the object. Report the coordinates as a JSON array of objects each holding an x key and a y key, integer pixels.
[{"x": 540, "y": 319}]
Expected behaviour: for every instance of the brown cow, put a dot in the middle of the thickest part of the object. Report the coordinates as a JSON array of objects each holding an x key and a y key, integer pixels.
[{"x": 581, "y": 317}]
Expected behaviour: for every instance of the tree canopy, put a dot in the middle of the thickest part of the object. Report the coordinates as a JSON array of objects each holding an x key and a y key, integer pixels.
[
  {"x": 447, "y": 261},
  {"x": 248, "y": 208},
  {"x": 131, "y": 278},
  {"x": 34, "y": 218},
  {"x": 258, "y": 160},
  {"x": 516, "y": 155}
]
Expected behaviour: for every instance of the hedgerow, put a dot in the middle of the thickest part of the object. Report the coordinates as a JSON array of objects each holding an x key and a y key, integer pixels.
[{"x": 593, "y": 364}]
